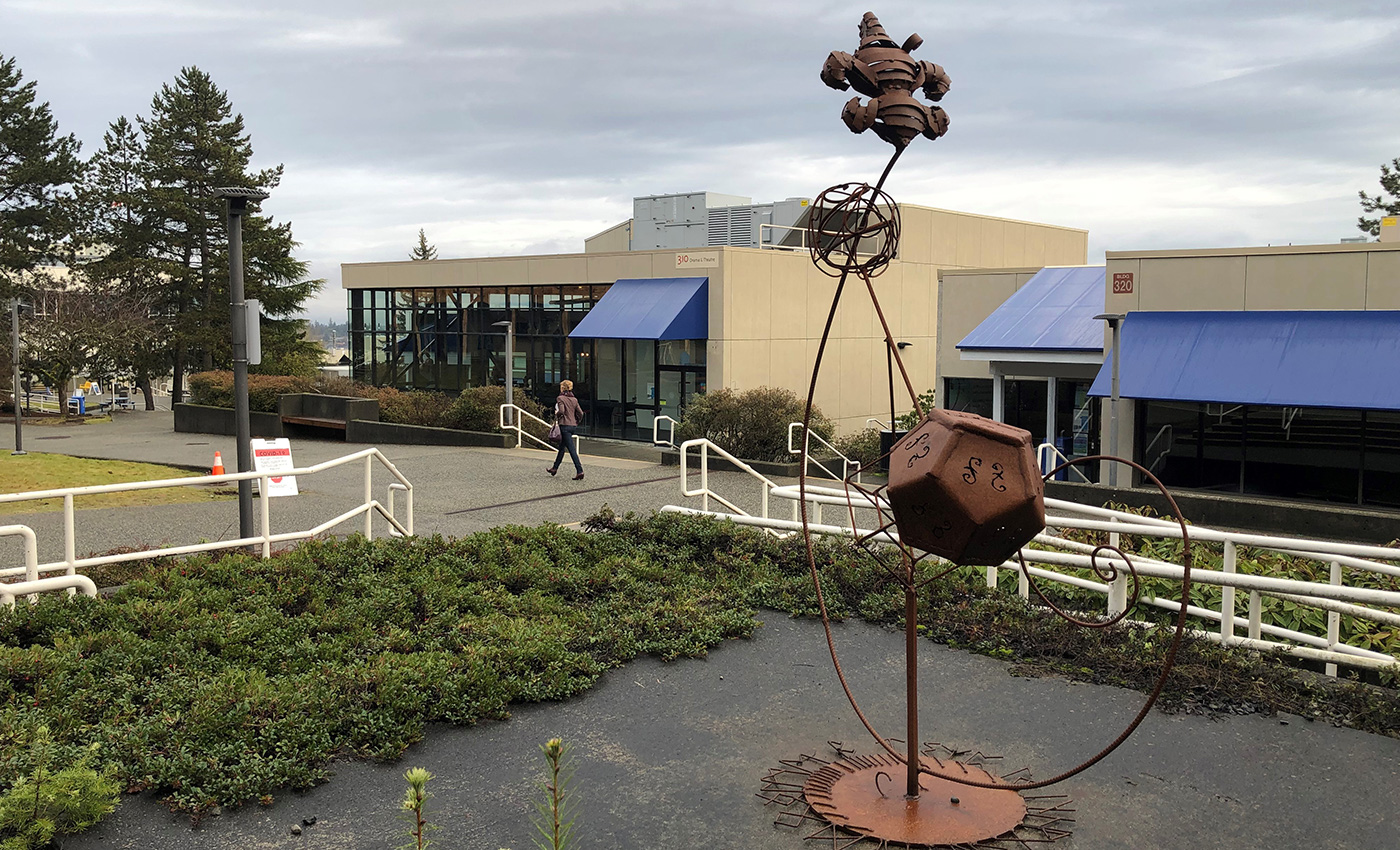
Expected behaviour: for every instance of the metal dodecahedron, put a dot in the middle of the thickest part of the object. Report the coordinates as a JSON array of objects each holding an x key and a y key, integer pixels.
[{"x": 966, "y": 488}]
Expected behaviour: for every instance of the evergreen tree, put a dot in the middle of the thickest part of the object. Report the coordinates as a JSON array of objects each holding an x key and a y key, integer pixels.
[
  {"x": 112, "y": 199},
  {"x": 1390, "y": 182},
  {"x": 195, "y": 144},
  {"x": 423, "y": 251},
  {"x": 36, "y": 166}
]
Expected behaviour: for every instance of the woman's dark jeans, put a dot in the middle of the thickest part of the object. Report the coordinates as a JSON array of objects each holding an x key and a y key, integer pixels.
[{"x": 566, "y": 443}]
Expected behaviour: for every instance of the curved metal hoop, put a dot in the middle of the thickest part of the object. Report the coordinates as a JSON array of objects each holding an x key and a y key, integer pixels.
[
  {"x": 847, "y": 218},
  {"x": 1177, "y": 636},
  {"x": 1107, "y": 573}
]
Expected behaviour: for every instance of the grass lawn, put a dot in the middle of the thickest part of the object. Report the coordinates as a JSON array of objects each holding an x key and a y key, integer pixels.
[{"x": 40, "y": 471}]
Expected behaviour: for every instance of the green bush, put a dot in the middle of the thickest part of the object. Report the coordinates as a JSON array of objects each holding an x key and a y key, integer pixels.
[
  {"x": 479, "y": 409},
  {"x": 216, "y": 389},
  {"x": 223, "y": 680},
  {"x": 752, "y": 424},
  {"x": 862, "y": 445}
]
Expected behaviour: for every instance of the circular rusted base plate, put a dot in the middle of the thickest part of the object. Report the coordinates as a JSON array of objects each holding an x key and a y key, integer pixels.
[{"x": 850, "y": 794}]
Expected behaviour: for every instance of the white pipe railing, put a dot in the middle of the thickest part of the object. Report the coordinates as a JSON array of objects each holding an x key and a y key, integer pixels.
[
  {"x": 1048, "y": 456},
  {"x": 846, "y": 463},
  {"x": 656, "y": 431},
  {"x": 704, "y": 491},
  {"x": 265, "y": 538},
  {"x": 518, "y": 426},
  {"x": 1334, "y": 596}
]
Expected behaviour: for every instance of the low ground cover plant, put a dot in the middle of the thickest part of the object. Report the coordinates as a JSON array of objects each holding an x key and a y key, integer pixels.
[{"x": 225, "y": 680}]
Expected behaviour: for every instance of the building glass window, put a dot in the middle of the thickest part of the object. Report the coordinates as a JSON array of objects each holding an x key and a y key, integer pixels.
[
  {"x": 970, "y": 395},
  {"x": 1380, "y": 467},
  {"x": 1024, "y": 406},
  {"x": 1308, "y": 454},
  {"x": 446, "y": 340}
]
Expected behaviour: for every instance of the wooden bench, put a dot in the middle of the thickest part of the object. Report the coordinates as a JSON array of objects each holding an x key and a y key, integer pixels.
[{"x": 314, "y": 422}]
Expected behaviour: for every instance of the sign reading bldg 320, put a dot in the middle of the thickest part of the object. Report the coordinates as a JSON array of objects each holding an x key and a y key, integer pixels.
[{"x": 1122, "y": 283}]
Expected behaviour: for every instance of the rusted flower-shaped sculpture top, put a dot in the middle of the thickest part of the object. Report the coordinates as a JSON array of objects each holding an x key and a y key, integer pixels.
[{"x": 885, "y": 72}]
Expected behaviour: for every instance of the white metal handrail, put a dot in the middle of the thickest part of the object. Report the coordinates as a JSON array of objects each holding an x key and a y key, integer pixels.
[
  {"x": 846, "y": 463},
  {"x": 704, "y": 492},
  {"x": 265, "y": 538},
  {"x": 43, "y": 402},
  {"x": 1333, "y": 597},
  {"x": 517, "y": 425},
  {"x": 656, "y": 431},
  {"x": 1170, "y": 433},
  {"x": 1048, "y": 456},
  {"x": 32, "y": 584}
]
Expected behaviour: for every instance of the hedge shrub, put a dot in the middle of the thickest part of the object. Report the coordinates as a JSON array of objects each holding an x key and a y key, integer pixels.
[
  {"x": 216, "y": 389},
  {"x": 751, "y": 424}
]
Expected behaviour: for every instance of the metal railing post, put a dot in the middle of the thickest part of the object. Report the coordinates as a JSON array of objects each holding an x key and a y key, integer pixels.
[
  {"x": 70, "y": 543},
  {"x": 369, "y": 497},
  {"x": 1256, "y": 615},
  {"x": 1118, "y": 590},
  {"x": 265, "y": 515},
  {"x": 705, "y": 476},
  {"x": 1227, "y": 598},
  {"x": 1334, "y": 620}
]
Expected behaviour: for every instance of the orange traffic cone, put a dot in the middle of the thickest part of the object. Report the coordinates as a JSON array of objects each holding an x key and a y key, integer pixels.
[{"x": 218, "y": 465}]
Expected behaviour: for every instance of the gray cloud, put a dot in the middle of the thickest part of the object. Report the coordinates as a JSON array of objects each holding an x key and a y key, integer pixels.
[{"x": 524, "y": 127}]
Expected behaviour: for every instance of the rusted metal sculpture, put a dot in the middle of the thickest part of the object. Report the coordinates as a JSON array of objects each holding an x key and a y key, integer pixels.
[
  {"x": 961, "y": 488},
  {"x": 885, "y": 72}
]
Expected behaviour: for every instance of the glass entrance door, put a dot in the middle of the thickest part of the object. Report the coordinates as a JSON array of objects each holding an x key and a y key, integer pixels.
[{"x": 677, "y": 385}]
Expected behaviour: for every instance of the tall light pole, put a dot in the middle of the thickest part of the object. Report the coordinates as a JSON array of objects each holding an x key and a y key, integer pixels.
[
  {"x": 510, "y": 367},
  {"x": 237, "y": 199},
  {"x": 1115, "y": 322},
  {"x": 14, "y": 394}
]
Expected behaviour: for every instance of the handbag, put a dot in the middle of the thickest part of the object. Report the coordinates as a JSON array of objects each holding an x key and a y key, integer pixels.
[{"x": 554, "y": 433}]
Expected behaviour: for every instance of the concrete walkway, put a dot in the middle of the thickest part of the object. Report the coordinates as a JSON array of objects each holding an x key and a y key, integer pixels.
[
  {"x": 671, "y": 755},
  {"x": 457, "y": 490}
]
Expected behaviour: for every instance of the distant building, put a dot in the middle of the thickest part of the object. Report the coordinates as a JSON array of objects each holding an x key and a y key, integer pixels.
[
  {"x": 696, "y": 291},
  {"x": 1266, "y": 371}
]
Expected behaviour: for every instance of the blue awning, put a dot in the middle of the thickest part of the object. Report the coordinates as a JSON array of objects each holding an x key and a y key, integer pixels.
[
  {"x": 1053, "y": 311},
  {"x": 1286, "y": 358},
  {"x": 650, "y": 308}
]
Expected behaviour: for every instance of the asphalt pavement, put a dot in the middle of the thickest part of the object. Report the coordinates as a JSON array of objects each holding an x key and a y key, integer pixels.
[{"x": 672, "y": 755}]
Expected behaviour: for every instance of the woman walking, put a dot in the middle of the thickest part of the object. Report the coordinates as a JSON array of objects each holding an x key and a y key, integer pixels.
[{"x": 567, "y": 413}]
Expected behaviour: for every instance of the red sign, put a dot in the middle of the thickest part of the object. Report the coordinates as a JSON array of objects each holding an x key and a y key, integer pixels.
[{"x": 1122, "y": 283}]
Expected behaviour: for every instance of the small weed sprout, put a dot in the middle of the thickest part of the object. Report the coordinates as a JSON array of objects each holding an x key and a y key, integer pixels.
[
  {"x": 556, "y": 821},
  {"x": 415, "y": 803},
  {"x": 46, "y": 803}
]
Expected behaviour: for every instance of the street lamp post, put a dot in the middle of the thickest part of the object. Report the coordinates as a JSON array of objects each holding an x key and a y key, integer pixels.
[
  {"x": 14, "y": 394},
  {"x": 1115, "y": 321},
  {"x": 237, "y": 199},
  {"x": 510, "y": 367}
]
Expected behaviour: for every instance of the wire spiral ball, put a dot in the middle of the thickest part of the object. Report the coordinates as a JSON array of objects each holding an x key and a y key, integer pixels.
[{"x": 853, "y": 227}]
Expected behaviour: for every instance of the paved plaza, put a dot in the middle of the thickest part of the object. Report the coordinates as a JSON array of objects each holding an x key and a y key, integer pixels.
[{"x": 671, "y": 755}]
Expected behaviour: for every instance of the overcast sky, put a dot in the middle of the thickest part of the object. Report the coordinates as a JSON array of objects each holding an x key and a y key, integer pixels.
[{"x": 523, "y": 127}]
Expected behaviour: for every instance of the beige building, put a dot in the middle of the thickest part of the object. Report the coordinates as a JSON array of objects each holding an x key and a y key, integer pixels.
[
  {"x": 641, "y": 331},
  {"x": 1269, "y": 371}
]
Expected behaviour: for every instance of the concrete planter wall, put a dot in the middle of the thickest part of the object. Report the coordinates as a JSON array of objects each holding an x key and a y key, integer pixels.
[
  {"x": 202, "y": 419},
  {"x": 364, "y": 431},
  {"x": 337, "y": 407}
]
